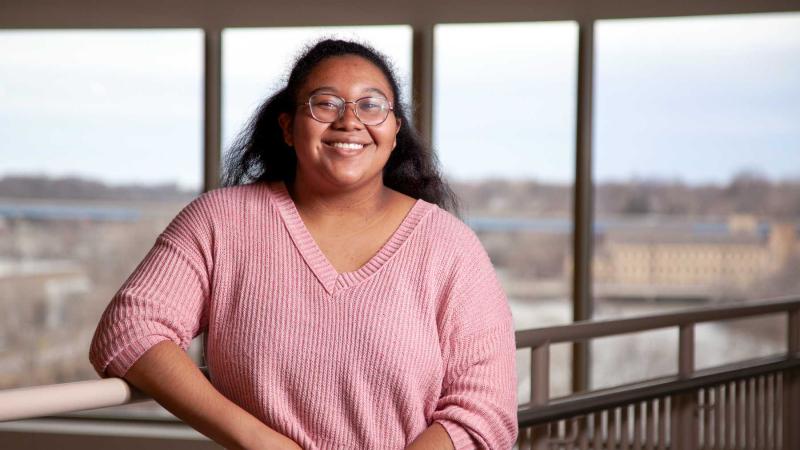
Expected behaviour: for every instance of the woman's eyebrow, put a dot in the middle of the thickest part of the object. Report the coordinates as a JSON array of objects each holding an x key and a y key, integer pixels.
[
  {"x": 332, "y": 89},
  {"x": 321, "y": 89},
  {"x": 377, "y": 91}
]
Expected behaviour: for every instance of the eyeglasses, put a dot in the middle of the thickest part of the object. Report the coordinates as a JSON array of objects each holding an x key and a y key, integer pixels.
[{"x": 328, "y": 108}]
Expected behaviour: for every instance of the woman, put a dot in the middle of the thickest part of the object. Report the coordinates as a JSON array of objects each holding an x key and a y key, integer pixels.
[{"x": 343, "y": 306}]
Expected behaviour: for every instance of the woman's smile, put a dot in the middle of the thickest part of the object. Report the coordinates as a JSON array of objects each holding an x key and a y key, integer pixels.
[{"x": 346, "y": 148}]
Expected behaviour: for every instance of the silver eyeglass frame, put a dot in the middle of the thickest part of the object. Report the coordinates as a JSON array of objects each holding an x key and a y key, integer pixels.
[{"x": 344, "y": 106}]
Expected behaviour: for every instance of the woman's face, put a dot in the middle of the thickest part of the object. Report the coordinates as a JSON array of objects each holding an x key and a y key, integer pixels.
[{"x": 344, "y": 154}]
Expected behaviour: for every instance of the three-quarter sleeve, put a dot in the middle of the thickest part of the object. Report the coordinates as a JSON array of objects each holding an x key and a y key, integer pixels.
[
  {"x": 165, "y": 298},
  {"x": 478, "y": 404}
]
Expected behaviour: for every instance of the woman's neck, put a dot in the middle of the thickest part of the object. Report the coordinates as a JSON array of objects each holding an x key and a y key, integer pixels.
[{"x": 363, "y": 205}]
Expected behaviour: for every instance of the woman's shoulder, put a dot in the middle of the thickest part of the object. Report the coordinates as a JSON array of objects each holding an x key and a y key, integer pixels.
[
  {"x": 445, "y": 223},
  {"x": 219, "y": 206},
  {"x": 447, "y": 232},
  {"x": 227, "y": 199},
  {"x": 241, "y": 191}
]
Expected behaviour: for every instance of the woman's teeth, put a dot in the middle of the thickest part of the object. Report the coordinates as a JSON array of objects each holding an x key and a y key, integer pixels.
[{"x": 347, "y": 145}]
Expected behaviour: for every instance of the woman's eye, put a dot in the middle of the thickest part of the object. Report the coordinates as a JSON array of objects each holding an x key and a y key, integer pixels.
[
  {"x": 326, "y": 105},
  {"x": 371, "y": 106}
]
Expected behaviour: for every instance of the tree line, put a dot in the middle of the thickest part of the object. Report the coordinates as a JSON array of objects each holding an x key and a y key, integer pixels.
[{"x": 745, "y": 193}]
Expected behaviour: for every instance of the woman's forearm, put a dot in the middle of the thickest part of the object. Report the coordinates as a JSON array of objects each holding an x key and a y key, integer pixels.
[
  {"x": 168, "y": 375},
  {"x": 435, "y": 437}
]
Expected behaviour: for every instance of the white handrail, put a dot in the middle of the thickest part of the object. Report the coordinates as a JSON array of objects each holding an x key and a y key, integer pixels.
[{"x": 38, "y": 401}]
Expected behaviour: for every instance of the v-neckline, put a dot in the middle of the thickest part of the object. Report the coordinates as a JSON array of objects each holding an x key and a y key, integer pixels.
[{"x": 328, "y": 276}]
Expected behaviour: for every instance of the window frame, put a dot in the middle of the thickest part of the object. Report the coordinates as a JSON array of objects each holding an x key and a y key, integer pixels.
[{"x": 212, "y": 17}]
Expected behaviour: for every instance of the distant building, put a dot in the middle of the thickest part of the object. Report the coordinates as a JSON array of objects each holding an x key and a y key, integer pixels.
[{"x": 684, "y": 263}]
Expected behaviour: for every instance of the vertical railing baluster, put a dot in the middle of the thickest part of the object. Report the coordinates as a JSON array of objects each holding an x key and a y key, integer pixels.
[
  {"x": 776, "y": 411},
  {"x": 664, "y": 416},
  {"x": 733, "y": 424},
  {"x": 702, "y": 415},
  {"x": 540, "y": 390},
  {"x": 583, "y": 432},
  {"x": 747, "y": 395},
  {"x": 760, "y": 411},
  {"x": 767, "y": 412},
  {"x": 770, "y": 418},
  {"x": 547, "y": 434},
  {"x": 745, "y": 437},
  {"x": 684, "y": 431},
  {"x": 711, "y": 417},
  {"x": 711, "y": 414},
  {"x": 597, "y": 430},
  {"x": 711, "y": 403},
  {"x": 752, "y": 407},
  {"x": 754, "y": 413},
  {"x": 526, "y": 440},
  {"x": 779, "y": 412},
  {"x": 638, "y": 421},
  {"x": 567, "y": 430},
  {"x": 650, "y": 424},
  {"x": 748, "y": 410},
  {"x": 613, "y": 422},
  {"x": 624, "y": 428},
  {"x": 719, "y": 417},
  {"x": 791, "y": 385}
]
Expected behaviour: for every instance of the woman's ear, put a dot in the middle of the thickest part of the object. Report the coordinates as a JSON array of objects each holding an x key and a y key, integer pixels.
[
  {"x": 399, "y": 123},
  {"x": 285, "y": 121}
]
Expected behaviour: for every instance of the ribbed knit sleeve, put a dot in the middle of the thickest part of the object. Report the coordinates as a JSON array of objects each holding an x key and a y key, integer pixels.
[
  {"x": 165, "y": 298},
  {"x": 478, "y": 405}
]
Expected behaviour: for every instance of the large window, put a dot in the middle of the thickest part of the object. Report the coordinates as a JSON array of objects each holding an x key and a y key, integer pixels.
[
  {"x": 101, "y": 147},
  {"x": 504, "y": 131},
  {"x": 697, "y": 172}
]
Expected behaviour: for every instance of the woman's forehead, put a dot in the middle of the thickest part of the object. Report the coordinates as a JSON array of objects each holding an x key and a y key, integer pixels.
[
  {"x": 350, "y": 75},
  {"x": 369, "y": 91}
]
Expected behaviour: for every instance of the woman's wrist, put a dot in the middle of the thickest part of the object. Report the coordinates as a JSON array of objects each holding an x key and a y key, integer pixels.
[
  {"x": 258, "y": 436},
  {"x": 434, "y": 437}
]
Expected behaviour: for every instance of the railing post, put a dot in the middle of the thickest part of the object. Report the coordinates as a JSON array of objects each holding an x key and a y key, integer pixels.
[
  {"x": 791, "y": 385},
  {"x": 422, "y": 79},
  {"x": 212, "y": 139},
  {"x": 582, "y": 208},
  {"x": 540, "y": 390},
  {"x": 685, "y": 432}
]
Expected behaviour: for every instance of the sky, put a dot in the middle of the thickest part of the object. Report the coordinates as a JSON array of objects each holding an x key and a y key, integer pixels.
[{"x": 695, "y": 99}]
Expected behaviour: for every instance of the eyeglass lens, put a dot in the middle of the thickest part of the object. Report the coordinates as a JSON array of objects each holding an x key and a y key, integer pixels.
[{"x": 369, "y": 110}]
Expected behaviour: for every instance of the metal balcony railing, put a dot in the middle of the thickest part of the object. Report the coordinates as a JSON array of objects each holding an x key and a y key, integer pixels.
[{"x": 753, "y": 404}]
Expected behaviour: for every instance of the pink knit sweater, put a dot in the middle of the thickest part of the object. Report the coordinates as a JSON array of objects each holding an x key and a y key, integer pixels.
[{"x": 358, "y": 360}]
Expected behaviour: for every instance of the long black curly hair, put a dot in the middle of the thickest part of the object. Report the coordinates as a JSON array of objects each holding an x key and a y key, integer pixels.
[{"x": 259, "y": 153}]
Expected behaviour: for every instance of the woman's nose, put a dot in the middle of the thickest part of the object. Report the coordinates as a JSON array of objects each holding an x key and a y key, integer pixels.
[{"x": 349, "y": 119}]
